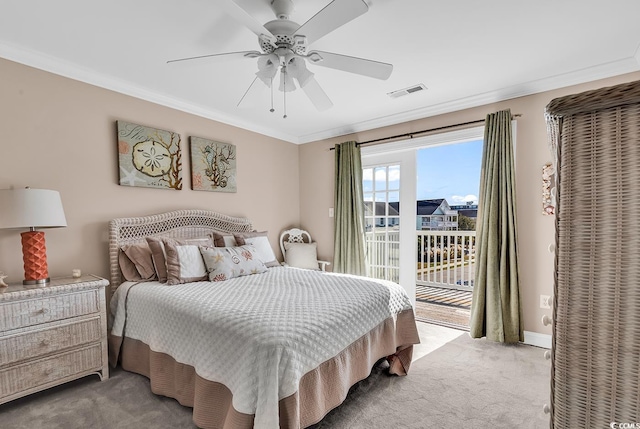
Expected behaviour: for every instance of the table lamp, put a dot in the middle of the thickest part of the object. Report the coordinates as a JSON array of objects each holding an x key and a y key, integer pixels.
[{"x": 32, "y": 208}]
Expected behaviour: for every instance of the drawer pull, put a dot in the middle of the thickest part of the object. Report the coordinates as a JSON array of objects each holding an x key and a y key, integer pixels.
[
  {"x": 49, "y": 371},
  {"x": 45, "y": 342},
  {"x": 43, "y": 311}
]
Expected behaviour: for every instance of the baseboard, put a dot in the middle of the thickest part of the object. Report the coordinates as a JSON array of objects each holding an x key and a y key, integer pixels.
[{"x": 537, "y": 339}]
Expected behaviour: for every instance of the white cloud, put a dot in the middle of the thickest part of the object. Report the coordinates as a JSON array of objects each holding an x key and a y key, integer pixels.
[
  {"x": 394, "y": 174},
  {"x": 458, "y": 199}
]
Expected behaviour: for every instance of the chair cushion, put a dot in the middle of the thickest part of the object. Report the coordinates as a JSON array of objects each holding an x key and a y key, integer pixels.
[{"x": 301, "y": 255}]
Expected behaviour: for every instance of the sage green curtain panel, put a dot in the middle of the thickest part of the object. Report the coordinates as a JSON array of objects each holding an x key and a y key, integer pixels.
[
  {"x": 348, "y": 251},
  {"x": 496, "y": 310}
]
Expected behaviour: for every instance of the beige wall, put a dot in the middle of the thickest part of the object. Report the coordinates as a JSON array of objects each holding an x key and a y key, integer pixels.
[
  {"x": 535, "y": 231},
  {"x": 57, "y": 133}
]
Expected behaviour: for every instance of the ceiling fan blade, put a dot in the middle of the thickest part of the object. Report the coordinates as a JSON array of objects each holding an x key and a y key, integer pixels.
[
  {"x": 244, "y": 18},
  {"x": 334, "y": 15},
  {"x": 253, "y": 95},
  {"x": 245, "y": 54},
  {"x": 317, "y": 96},
  {"x": 349, "y": 64}
]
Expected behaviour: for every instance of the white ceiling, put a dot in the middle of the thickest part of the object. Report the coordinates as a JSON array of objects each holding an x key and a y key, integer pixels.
[{"x": 466, "y": 52}]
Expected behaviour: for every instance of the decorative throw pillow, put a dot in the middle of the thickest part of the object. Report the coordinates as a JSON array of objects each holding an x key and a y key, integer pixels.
[
  {"x": 223, "y": 240},
  {"x": 224, "y": 263},
  {"x": 159, "y": 260},
  {"x": 261, "y": 242},
  {"x": 128, "y": 268},
  {"x": 301, "y": 255},
  {"x": 184, "y": 261},
  {"x": 140, "y": 256}
]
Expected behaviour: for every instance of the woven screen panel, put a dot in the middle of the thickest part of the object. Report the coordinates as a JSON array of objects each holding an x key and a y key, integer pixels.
[{"x": 596, "y": 356}]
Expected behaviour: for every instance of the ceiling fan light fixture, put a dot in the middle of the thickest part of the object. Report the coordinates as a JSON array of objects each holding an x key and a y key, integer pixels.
[
  {"x": 267, "y": 68},
  {"x": 297, "y": 68}
]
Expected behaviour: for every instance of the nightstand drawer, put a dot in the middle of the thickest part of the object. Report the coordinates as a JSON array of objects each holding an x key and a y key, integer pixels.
[
  {"x": 21, "y": 378},
  {"x": 57, "y": 336},
  {"x": 47, "y": 309}
]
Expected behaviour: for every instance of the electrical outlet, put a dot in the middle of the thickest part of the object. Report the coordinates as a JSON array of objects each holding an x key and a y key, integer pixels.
[{"x": 545, "y": 301}]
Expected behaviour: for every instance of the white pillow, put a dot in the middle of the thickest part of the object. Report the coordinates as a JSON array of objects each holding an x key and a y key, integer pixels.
[
  {"x": 262, "y": 245},
  {"x": 301, "y": 255},
  {"x": 184, "y": 261}
]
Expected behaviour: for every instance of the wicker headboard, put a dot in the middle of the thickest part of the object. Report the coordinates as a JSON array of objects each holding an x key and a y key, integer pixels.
[{"x": 176, "y": 224}]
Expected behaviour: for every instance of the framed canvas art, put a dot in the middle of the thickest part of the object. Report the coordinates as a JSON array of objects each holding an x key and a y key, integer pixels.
[
  {"x": 149, "y": 157},
  {"x": 213, "y": 165}
]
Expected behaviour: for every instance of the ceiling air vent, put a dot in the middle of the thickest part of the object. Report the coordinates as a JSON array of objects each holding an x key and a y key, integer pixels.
[{"x": 406, "y": 91}]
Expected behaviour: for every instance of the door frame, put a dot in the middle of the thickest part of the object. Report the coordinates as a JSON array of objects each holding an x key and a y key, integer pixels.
[{"x": 403, "y": 153}]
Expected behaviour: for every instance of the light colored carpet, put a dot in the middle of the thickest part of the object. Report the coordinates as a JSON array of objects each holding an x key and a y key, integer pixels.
[{"x": 454, "y": 382}]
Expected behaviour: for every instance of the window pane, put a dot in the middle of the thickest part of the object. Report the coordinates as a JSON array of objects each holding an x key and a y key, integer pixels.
[
  {"x": 380, "y": 178},
  {"x": 367, "y": 179},
  {"x": 394, "y": 177}
]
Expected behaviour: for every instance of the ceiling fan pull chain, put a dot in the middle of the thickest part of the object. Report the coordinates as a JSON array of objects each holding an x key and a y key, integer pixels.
[
  {"x": 272, "y": 109},
  {"x": 284, "y": 92}
]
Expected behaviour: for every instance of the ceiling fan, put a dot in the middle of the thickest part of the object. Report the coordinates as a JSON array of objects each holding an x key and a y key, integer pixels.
[{"x": 285, "y": 43}]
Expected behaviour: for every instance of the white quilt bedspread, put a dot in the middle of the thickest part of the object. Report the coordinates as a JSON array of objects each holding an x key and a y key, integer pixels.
[{"x": 258, "y": 334}]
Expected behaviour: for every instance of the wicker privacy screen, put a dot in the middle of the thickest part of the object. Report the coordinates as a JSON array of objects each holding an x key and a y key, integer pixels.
[{"x": 595, "y": 375}]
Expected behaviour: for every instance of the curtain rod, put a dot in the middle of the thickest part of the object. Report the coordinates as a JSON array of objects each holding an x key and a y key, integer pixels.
[{"x": 411, "y": 135}]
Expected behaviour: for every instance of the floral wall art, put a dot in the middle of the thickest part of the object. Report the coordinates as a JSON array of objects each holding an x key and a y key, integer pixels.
[
  {"x": 548, "y": 189},
  {"x": 213, "y": 165},
  {"x": 149, "y": 157}
]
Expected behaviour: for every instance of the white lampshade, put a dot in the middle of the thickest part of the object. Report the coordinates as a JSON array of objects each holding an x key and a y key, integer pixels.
[{"x": 31, "y": 208}]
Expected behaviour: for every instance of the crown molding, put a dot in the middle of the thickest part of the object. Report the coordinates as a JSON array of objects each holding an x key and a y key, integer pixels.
[
  {"x": 602, "y": 71},
  {"x": 73, "y": 71}
]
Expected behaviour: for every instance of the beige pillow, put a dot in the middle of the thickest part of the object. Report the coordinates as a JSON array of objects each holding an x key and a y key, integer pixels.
[
  {"x": 140, "y": 256},
  {"x": 262, "y": 245},
  {"x": 223, "y": 240},
  {"x": 157, "y": 255},
  {"x": 128, "y": 268},
  {"x": 301, "y": 255}
]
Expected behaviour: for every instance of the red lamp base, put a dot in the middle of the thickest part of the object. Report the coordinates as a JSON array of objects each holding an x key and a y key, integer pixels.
[{"x": 34, "y": 256}]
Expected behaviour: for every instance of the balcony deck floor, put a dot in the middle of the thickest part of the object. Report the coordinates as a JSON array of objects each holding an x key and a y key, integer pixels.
[
  {"x": 446, "y": 307},
  {"x": 443, "y": 296}
]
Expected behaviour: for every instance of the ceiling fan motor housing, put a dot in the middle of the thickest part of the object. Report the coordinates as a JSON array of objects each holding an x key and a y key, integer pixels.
[
  {"x": 282, "y": 8},
  {"x": 284, "y": 29}
]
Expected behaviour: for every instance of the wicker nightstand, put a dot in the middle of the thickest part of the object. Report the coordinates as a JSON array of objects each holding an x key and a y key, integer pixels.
[{"x": 51, "y": 334}]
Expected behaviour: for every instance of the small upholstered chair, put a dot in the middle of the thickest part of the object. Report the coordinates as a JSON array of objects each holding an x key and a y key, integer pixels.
[{"x": 300, "y": 251}]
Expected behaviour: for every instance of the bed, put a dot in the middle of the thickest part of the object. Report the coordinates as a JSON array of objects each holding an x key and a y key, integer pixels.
[{"x": 278, "y": 348}]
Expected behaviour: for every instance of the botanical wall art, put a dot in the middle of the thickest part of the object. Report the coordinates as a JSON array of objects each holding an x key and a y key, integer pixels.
[
  {"x": 213, "y": 165},
  {"x": 149, "y": 157},
  {"x": 548, "y": 189}
]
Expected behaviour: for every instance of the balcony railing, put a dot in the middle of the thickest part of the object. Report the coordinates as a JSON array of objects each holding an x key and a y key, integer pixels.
[{"x": 444, "y": 258}]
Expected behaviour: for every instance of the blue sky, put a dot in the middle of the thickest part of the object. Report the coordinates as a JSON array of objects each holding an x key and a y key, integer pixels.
[{"x": 450, "y": 171}]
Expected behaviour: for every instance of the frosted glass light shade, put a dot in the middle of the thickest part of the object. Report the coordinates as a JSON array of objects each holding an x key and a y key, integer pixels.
[{"x": 31, "y": 208}]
